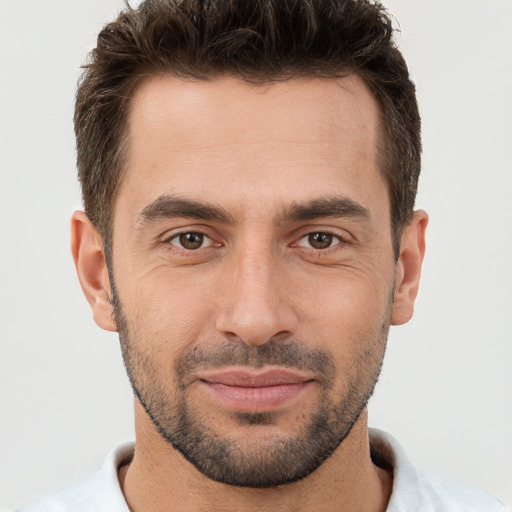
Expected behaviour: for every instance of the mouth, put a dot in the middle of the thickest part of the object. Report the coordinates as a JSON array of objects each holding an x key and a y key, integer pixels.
[{"x": 247, "y": 391}]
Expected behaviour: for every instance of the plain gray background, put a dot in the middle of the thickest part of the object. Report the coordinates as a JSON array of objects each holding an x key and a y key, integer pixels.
[{"x": 445, "y": 389}]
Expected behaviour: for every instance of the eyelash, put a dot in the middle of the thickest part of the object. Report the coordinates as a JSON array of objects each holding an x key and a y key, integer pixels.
[
  {"x": 339, "y": 241},
  {"x": 168, "y": 240}
]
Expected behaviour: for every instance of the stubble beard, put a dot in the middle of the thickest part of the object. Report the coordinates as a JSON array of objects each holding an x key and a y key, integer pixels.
[{"x": 276, "y": 460}]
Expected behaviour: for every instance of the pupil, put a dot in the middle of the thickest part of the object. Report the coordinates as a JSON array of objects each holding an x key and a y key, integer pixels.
[
  {"x": 191, "y": 240},
  {"x": 320, "y": 240}
]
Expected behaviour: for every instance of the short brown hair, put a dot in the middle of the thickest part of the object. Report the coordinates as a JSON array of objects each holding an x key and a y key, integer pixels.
[{"x": 260, "y": 41}]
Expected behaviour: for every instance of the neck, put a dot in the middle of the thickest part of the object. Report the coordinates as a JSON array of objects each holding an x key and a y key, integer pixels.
[{"x": 159, "y": 478}]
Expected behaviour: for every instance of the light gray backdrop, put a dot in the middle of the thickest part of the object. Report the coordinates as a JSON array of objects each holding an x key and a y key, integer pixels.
[{"x": 445, "y": 390}]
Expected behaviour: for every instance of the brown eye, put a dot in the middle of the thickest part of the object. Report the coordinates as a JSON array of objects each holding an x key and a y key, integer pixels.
[
  {"x": 190, "y": 241},
  {"x": 320, "y": 240}
]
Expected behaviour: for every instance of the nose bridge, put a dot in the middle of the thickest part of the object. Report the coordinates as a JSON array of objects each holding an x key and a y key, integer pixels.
[
  {"x": 254, "y": 270},
  {"x": 254, "y": 307}
]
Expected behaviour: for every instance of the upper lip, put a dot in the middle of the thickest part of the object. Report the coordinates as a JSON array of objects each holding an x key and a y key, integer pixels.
[{"x": 251, "y": 379}]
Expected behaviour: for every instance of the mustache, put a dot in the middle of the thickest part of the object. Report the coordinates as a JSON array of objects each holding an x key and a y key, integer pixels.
[{"x": 289, "y": 354}]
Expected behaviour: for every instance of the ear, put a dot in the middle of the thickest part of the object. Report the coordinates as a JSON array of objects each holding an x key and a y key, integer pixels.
[
  {"x": 408, "y": 268},
  {"x": 87, "y": 250}
]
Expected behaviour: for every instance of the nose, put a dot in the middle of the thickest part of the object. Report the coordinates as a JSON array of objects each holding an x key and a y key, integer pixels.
[{"x": 253, "y": 304}]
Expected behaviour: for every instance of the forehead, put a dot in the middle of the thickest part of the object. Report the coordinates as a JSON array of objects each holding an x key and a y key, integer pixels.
[{"x": 293, "y": 138}]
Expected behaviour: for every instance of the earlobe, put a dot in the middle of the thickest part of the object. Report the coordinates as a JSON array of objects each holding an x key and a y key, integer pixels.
[
  {"x": 408, "y": 268},
  {"x": 89, "y": 257}
]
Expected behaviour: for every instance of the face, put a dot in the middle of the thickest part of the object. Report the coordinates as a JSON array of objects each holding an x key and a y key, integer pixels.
[{"x": 253, "y": 269}]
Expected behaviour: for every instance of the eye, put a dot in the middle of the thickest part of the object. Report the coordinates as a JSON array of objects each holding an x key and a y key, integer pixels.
[
  {"x": 191, "y": 240},
  {"x": 319, "y": 240}
]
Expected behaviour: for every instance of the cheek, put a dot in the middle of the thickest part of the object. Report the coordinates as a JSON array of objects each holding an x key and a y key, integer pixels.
[
  {"x": 350, "y": 312},
  {"x": 166, "y": 314}
]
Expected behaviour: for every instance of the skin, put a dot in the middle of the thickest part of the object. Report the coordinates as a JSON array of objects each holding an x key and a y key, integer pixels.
[{"x": 256, "y": 152}]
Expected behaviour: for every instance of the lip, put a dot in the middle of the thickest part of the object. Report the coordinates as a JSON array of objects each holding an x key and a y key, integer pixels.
[{"x": 247, "y": 391}]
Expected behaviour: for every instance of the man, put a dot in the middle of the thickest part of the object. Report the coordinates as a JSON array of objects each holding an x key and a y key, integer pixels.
[{"x": 249, "y": 173}]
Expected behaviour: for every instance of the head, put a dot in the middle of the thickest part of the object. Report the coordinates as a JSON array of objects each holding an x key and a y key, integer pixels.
[{"x": 248, "y": 172}]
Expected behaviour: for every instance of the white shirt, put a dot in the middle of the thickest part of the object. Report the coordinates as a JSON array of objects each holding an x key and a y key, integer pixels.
[{"x": 413, "y": 489}]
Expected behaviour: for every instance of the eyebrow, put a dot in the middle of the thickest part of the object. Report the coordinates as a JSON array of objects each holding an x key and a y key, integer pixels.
[
  {"x": 166, "y": 207},
  {"x": 337, "y": 206}
]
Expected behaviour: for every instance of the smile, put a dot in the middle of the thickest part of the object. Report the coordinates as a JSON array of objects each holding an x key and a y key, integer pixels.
[{"x": 249, "y": 392}]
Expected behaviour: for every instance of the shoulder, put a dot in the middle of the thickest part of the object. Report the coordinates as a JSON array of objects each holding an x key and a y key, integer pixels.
[
  {"x": 76, "y": 496},
  {"x": 442, "y": 493},
  {"x": 95, "y": 493},
  {"x": 414, "y": 489}
]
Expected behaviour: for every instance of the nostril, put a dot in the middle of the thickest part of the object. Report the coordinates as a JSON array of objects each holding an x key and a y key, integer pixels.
[{"x": 256, "y": 333}]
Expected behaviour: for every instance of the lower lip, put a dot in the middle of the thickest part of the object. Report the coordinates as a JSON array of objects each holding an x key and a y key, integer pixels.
[{"x": 256, "y": 399}]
